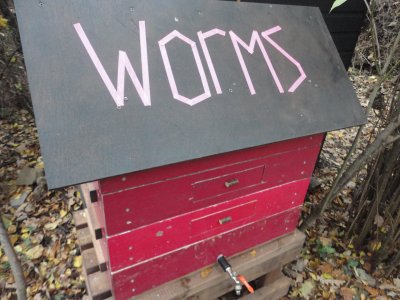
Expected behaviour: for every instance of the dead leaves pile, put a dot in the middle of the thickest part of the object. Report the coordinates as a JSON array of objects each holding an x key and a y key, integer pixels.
[
  {"x": 330, "y": 269},
  {"x": 39, "y": 222},
  {"x": 329, "y": 266}
]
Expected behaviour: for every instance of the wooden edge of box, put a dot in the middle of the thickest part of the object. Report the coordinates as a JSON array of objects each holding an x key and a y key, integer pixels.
[
  {"x": 211, "y": 282},
  {"x": 98, "y": 284},
  {"x": 94, "y": 226}
]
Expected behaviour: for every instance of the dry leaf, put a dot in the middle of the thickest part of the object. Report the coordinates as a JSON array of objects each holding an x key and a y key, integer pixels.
[
  {"x": 347, "y": 293},
  {"x": 204, "y": 273},
  {"x": 53, "y": 225},
  {"x": 373, "y": 292},
  {"x": 12, "y": 229},
  {"x": 77, "y": 261},
  {"x": 35, "y": 252},
  {"x": 306, "y": 289},
  {"x": 325, "y": 268}
]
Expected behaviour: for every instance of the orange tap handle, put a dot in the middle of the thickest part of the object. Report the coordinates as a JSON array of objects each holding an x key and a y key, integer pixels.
[{"x": 245, "y": 283}]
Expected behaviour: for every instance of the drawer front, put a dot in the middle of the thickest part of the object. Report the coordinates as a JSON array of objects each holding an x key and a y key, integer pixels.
[
  {"x": 133, "y": 208},
  {"x": 219, "y": 185},
  {"x": 141, "y": 178},
  {"x": 136, "y": 279},
  {"x": 170, "y": 234},
  {"x": 225, "y": 219}
]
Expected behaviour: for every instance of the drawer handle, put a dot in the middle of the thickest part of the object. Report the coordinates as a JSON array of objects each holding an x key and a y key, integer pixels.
[
  {"x": 225, "y": 220},
  {"x": 231, "y": 182}
]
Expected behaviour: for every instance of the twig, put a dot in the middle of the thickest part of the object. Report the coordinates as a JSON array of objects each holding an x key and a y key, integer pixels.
[
  {"x": 8, "y": 62},
  {"x": 375, "y": 35},
  {"x": 328, "y": 199},
  {"x": 380, "y": 142},
  {"x": 14, "y": 263}
]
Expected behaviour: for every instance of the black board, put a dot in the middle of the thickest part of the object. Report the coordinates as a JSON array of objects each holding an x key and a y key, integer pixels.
[{"x": 84, "y": 136}]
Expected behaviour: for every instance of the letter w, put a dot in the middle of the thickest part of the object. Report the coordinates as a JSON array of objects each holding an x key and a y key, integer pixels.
[{"x": 123, "y": 64}]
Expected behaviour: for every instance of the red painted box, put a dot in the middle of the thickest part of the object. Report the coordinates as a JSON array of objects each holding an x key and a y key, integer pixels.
[{"x": 162, "y": 223}]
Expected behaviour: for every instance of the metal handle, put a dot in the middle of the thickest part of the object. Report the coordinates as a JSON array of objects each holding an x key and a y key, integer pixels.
[
  {"x": 223, "y": 262},
  {"x": 225, "y": 220},
  {"x": 231, "y": 182}
]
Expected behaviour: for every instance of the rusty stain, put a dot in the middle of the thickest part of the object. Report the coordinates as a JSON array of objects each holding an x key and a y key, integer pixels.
[{"x": 185, "y": 282}]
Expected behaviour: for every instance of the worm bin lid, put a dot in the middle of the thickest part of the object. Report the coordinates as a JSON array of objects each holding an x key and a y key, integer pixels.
[{"x": 122, "y": 86}]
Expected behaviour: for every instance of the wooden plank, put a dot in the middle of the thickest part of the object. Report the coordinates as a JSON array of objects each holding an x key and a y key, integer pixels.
[
  {"x": 272, "y": 276},
  {"x": 90, "y": 261},
  {"x": 273, "y": 291},
  {"x": 251, "y": 263},
  {"x": 99, "y": 244},
  {"x": 80, "y": 219},
  {"x": 158, "y": 238},
  {"x": 84, "y": 238},
  {"x": 250, "y": 273},
  {"x": 98, "y": 286}
]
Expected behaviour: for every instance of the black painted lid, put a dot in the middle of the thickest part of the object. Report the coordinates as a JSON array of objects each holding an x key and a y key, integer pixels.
[{"x": 188, "y": 85}]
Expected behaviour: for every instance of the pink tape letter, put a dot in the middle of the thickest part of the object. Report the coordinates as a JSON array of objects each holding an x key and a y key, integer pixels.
[
  {"x": 255, "y": 37},
  {"x": 123, "y": 64},
  {"x": 170, "y": 75},
  {"x": 303, "y": 76},
  {"x": 202, "y": 37}
]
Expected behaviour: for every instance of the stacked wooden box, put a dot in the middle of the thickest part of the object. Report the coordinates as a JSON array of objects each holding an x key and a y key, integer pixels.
[
  {"x": 160, "y": 224},
  {"x": 205, "y": 142}
]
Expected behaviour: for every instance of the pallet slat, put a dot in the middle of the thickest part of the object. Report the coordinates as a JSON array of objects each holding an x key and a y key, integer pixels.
[
  {"x": 97, "y": 283},
  {"x": 252, "y": 263},
  {"x": 263, "y": 260},
  {"x": 273, "y": 291}
]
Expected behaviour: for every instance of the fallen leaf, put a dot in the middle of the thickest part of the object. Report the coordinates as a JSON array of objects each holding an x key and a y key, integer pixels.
[
  {"x": 327, "y": 276},
  {"x": 204, "y": 273},
  {"x": 12, "y": 229},
  {"x": 396, "y": 282},
  {"x": 13, "y": 239},
  {"x": 35, "y": 252},
  {"x": 63, "y": 213},
  {"x": 325, "y": 241},
  {"x": 52, "y": 226},
  {"x": 373, "y": 292},
  {"x": 3, "y": 22},
  {"x": 325, "y": 268},
  {"x": 77, "y": 261},
  {"x": 378, "y": 221},
  {"x": 306, "y": 289},
  {"x": 18, "y": 248},
  {"x": 347, "y": 293},
  {"x": 364, "y": 277}
]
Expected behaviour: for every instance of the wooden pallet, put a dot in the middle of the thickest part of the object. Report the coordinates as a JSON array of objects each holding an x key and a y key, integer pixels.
[
  {"x": 93, "y": 263},
  {"x": 262, "y": 263}
]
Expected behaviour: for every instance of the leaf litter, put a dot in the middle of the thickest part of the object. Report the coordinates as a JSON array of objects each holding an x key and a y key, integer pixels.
[{"x": 38, "y": 221}]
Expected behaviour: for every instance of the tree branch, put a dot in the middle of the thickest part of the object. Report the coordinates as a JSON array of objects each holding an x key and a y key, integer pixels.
[{"x": 14, "y": 262}]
